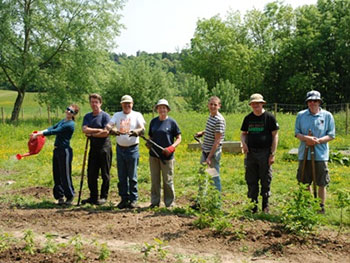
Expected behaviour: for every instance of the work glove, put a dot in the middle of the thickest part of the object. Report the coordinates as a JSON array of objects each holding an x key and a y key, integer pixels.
[
  {"x": 114, "y": 131},
  {"x": 136, "y": 132},
  {"x": 168, "y": 150}
]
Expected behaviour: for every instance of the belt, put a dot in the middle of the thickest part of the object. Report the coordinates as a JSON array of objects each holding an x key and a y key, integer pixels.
[
  {"x": 125, "y": 147},
  {"x": 258, "y": 149}
]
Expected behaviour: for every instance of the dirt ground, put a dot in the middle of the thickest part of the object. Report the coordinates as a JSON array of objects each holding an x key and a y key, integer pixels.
[{"x": 130, "y": 236}]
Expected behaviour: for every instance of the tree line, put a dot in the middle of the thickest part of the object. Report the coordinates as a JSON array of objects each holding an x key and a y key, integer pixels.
[{"x": 62, "y": 50}]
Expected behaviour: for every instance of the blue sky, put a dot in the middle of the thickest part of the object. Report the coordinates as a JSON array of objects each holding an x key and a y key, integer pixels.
[{"x": 168, "y": 25}]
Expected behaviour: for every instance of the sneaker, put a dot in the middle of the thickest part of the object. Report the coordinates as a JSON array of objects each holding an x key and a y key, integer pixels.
[
  {"x": 69, "y": 201},
  {"x": 133, "y": 204},
  {"x": 60, "y": 201},
  {"x": 266, "y": 210},
  {"x": 101, "y": 201},
  {"x": 255, "y": 209},
  {"x": 123, "y": 204},
  {"x": 89, "y": 201}
]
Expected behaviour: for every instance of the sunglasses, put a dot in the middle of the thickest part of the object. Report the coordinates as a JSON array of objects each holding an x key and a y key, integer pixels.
[{"x": 70, "y": 110}]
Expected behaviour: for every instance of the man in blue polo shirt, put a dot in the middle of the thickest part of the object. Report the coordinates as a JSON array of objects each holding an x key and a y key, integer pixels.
[{"x": 321, "y": 124}]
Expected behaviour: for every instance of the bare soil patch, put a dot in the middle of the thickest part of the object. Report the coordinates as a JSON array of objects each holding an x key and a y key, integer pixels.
[{"x": 126, "y": 233}]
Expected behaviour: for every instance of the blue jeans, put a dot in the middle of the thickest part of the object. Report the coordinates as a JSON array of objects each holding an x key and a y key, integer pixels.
[
  {"x": 215, "y": 163},
  {"x": 127, "y": 161}
]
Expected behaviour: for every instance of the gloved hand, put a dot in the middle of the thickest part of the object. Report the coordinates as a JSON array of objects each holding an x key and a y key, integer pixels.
[
  {"x": 148, "y": 145},
  {"x": 168, "y": 150},
  {"x": 136, "y": 132},
  {"x": 114, "y": 131}
]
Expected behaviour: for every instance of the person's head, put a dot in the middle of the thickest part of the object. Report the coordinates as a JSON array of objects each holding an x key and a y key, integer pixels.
[
  {"x": 256, "y": 102},
  {"x": 214, "y": 104},
  {"x": 95, "y": 102},
  {"x": 71, "y": 111},
  {"x": 313, "y": 100},
  {"x": 127, "y": 103},
  {"x": 162, "y": 107}
]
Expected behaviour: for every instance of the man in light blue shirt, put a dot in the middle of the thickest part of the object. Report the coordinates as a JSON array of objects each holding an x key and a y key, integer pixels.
[{"x": 321, "y": 124}]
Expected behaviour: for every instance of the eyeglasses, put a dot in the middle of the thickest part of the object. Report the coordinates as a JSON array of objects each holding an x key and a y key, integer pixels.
[{"x": 70, "y": 110}]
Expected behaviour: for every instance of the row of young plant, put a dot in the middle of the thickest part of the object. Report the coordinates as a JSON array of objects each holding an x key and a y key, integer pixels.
[
  {"x": 299, "y": 214},
  {"x": 50, "y": 246}
]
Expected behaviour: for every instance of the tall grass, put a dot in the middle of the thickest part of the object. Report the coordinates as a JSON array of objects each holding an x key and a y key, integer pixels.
[{"x": 36, "y": 170}]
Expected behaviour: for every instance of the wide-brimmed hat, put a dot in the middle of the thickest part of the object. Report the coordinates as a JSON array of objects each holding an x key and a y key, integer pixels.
[
  {"x": 126, "y": 98},
  {"x": 313, "y": 95},
  {"x": 163, "y": 102},
  {"x": 256, "y": 97}
]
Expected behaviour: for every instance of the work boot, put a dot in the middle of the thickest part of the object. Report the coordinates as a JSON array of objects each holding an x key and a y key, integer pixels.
[
  {"x": 60, "y": 201},
  {"x": 153, "y": 205},
  {"x": 322, "y": 210},
  {"x": 123, "y": 204},
  {"x": 265, "y": 205},
  {"x": 89, "y": 201},
  {"x": 196, "y": 206},
  {"x": 69, "y": 201}
]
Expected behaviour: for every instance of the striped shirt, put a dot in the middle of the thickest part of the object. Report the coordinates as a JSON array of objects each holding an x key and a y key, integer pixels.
[{"x": 215, "y": 124}]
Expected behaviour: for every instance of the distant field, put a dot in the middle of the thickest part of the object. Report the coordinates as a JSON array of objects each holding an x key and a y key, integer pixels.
[{"x": 30, "y": 107}]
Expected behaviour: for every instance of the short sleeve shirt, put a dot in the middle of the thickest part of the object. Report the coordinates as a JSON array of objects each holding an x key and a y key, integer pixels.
[
  {"x": 163, "y": 133},
  {"x": 126, "y": 123},
  {"x": 215, "y": 124},
  {"x": 320, "y": 124},
  {"x": 259, "y": 129},
  {"x": 98, "y": 121}
]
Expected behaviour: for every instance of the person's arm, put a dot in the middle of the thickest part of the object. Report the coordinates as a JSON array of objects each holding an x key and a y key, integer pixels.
[
  {"x": 216, "y": 144},
  {"x": 243, "y": 141},
  {"x": 171, "y": 148},
  {"x": 200, "y": 134},
  {"x": 95, "y": 132},
  {"x": 273, "y": 147},
  {"x": 309, "y": 140}
]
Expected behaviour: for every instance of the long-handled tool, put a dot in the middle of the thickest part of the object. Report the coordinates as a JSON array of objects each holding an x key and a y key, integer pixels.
[
  {"x": 152, "y": 149},
  {"x": 83, "y": 170},
  {"x": 313, "y": 168}
]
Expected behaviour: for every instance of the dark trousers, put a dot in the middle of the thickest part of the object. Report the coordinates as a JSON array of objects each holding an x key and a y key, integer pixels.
[
  {"x": 62, "y": 173},
  {"x": 99, "y": 158},
  {"x": 258, "y": 169}
]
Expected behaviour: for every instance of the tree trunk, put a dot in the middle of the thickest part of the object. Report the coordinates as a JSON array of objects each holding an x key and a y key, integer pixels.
[{"x": 17, "y": 106}]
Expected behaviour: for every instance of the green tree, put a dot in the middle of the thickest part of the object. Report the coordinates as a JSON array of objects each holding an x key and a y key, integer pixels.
[
  {"x": 144, "y": 79},
  {"x": 59, "y": 47},
  {"x": 228, "y": 95},
  {"x": 195, "y": 92}
]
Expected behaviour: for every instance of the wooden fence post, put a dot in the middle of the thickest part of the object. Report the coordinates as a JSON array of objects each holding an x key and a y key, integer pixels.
[
  {"x": 347, "y": 119},
  {"x": 22, "y": 113},
  {"x": 275, "y": 110},
  {"x": 2, "y": 115},
  {"x": 40, "y": 112}
]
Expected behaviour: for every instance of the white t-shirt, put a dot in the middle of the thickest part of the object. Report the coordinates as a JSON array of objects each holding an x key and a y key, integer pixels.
[{"x": 125, "y": 123}]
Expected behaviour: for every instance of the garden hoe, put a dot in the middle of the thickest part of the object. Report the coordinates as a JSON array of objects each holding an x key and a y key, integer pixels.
[{"x": 152, "y": 143}]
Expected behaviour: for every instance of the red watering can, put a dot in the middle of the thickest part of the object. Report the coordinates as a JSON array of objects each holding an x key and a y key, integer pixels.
[{"x": 34, "y": 146}]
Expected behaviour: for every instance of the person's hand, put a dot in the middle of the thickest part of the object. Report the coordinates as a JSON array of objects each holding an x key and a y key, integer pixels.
[
  {"x": 245, "y": 148},
  {"x": 114, "y": 131},
  {"x": 148, "y": 145},
  {"x": 271, "y": 159},
  {"x": 169, "y": 150},
  {"x": 33, "y": 135},
  {"x": 199, "y": 134},
  {"x": 133, "y": 133},
  {"x": 311, "y": 140}
]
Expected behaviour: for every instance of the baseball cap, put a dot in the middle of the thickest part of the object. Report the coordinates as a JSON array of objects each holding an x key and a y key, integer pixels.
[
  {"x": 126, "y": 98},
  {"x": 313, "y": 95},
  {"x": 163, "y": 102},
  {"x": 256, "y": 97}
]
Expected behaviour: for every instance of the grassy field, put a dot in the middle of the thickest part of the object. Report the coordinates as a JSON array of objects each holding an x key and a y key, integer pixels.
[{"x": 36, "y": 170}]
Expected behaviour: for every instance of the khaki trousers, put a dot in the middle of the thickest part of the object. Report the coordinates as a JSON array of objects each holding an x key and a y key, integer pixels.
[{"x": 167, "y": 171}]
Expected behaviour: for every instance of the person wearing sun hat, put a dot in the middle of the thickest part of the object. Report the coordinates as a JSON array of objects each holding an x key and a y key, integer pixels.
[
  {"x": 259, "y": 138},
  {"x": 164, "y": 131},
  {"x": 129, "y": 124},
  {"x": 322, "y": 126}
]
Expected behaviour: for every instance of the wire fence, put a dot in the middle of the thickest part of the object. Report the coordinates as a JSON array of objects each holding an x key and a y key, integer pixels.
[{"x": 341, "y": 112}]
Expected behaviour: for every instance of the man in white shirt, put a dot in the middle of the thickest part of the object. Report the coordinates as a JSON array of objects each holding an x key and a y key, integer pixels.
[{"x": 129, "y": 125}]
